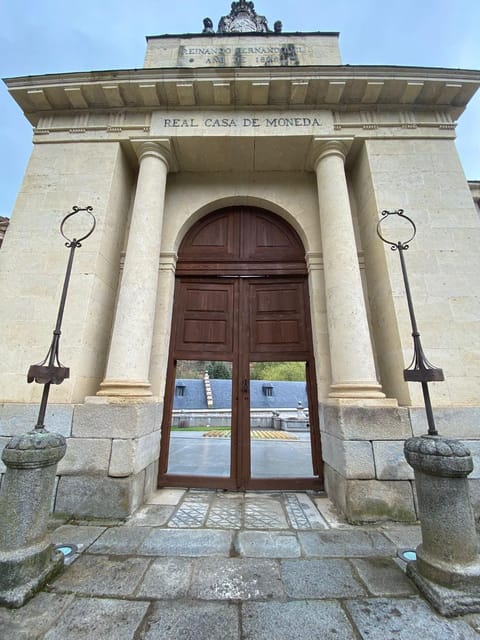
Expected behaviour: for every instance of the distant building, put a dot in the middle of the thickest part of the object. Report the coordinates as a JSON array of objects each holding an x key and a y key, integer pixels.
[{"x": 237, "y": 180}]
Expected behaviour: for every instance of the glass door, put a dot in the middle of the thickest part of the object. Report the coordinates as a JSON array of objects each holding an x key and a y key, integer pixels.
[
  {"x": 201, "y": 419},
  {"x": 279, "y": 421}
]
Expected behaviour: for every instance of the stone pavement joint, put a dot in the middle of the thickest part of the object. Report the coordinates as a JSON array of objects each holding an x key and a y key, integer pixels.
[{"x": 210, "y": 565}]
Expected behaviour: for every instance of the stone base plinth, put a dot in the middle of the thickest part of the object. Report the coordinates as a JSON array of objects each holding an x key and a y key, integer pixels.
[
  {"x": 363, "y": 501},
  {"x": 457, "y": 600},
  {"x": 25, "y": 571}
]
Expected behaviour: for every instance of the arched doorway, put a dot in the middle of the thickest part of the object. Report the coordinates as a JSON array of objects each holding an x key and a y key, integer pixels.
[{"x": 241, "y": 301}]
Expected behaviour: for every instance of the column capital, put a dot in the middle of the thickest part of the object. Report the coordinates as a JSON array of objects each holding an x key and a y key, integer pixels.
[
  {"x": 322, "y": 148},
  {"x": 161, "y": 149}
]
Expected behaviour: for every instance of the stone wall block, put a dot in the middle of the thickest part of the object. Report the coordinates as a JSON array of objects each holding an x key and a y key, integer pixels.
[
  {"x": 122, "y": 459},
  {"x": 374, "y": 500},
  {"x": 85, "y": 455},
  {"x": 131, "y": 456},
  {"x": 390, "y": 463},
  {"x": 18, "y": 418},
  {"x": 99, "y": 496},
  {"x": 104, "y": 420},
  {"x": 455, "y": 422},
  {"x": 151, "y": 479},
  {"x": 365, "y": 422},
  {"x": 370, "y": 500},
  {"x": 335, "y": 487},
  {"x": 352, "y": 459},
  {"x": 147, "y": 451}
]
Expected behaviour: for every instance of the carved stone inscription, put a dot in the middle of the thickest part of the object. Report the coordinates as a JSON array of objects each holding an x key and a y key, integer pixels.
[
  {"x": 241, "y": 124},
  {"x": 236, "y": 123},
  {"x": 267, "y": 55}
]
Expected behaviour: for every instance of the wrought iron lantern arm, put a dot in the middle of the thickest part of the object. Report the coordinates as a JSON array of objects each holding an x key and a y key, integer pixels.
[
  {"x": 50, "y": 370},
  {"x": 420, "y": 369}
]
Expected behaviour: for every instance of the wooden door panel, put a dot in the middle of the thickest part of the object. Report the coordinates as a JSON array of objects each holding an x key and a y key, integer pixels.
[
  {"x": 205, "y": 316},
  {"x": 241, "y": 241},
  {"x": 268, "y": 238},
  {"x": 214, "y": 239},
  {"x": 278, "y": 323}
]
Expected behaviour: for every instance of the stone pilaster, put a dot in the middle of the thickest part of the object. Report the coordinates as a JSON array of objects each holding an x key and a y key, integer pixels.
[
  {"x": 351, "y": 353},
  {"x": 128, "y": 365}
]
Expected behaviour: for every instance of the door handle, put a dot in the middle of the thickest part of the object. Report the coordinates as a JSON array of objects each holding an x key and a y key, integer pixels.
[{"x": 245, "y": 385}]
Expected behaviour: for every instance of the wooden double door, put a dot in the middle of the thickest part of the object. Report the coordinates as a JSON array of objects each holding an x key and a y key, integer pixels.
[{"x": 241, "y": 298}]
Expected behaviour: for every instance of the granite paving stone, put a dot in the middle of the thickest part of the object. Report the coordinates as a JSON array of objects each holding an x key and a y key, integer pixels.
[
  {"x": 383, "y": 577},
  {"x": 186, "y": 542},
  {"x": 225, "y": 514},
  {"x": 346, "y": 543},
  {"x": 331, "y": 516},
  {"x": 105, "y": 619},
  {"x": 302, "y": 513},
  {"x": 120, "y": 540},
  {"x": 190, "y": 514},
  {"x": 236, "y": 579},
  {"x": 199, "y": 495},
  {"x": 302, "y": 620},
  {"x": 151, "y": 516},
  {"x": 331, "y": 578},
  {"x": 267, "y": 544},
  {"x": 34, "y": 619},
  {"x": 405, "y": 536},
  {"x": 82, "y": 536},
  {"x": 246, "y": 567},
  {"x": 166, "y": 496},
  {"x": 102, "y": 576},
  {"x": 404, "y": 619},
  {"x": 264, "y": 513},
  {"x": 192, "y": 621},
  {"x": 473, "y": 620},
  {"x": 166, "y": 578}
]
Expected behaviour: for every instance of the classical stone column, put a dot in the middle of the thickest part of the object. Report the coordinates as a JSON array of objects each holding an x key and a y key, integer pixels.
[
  {"x": 129, "y": 358},
  {"x": 352, "y": 364}
]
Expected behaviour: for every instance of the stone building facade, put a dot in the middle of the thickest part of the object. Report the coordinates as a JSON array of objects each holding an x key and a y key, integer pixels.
[{"x": 259, "y": 121}]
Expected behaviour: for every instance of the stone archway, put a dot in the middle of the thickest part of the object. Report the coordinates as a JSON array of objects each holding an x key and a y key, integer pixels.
[{"x": 241, "y": 297}]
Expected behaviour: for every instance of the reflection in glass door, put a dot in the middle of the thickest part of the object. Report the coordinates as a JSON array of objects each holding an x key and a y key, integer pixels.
[
  {"x": 279, "y": 421},
  {"x": 200, "y": 429}
]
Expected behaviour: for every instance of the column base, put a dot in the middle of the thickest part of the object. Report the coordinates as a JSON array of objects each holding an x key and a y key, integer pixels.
[
  {"x": 23, "y": 572},
  {"x": 125, "y": 389},
  {"x": 356, "y": 390},
  {"x": 459, "y": 599}
]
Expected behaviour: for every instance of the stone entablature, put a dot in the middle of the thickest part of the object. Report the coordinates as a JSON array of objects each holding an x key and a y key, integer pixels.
[
  {"x": 243, "y": 50},
  {"x": 412, "y": 90}
]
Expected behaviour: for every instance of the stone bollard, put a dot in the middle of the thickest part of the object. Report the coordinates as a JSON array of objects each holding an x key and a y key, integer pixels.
[
  {"x": 27, "y": 559},
  {"x": 447, "y": 569}
]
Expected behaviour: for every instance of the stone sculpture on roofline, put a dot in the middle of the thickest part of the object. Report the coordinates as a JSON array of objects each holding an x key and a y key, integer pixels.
[{"x": 242, "y": 19}]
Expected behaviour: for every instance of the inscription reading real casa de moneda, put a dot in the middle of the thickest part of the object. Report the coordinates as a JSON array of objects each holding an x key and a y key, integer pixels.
[{"x": 247, "y": 123}]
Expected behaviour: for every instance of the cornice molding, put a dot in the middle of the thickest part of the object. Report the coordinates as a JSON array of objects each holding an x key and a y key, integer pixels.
[{"x": 345, "y": 88}]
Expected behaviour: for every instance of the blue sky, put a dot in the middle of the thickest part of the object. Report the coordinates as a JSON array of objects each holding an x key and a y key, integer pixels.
[{"x": 56, "y": 36}]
